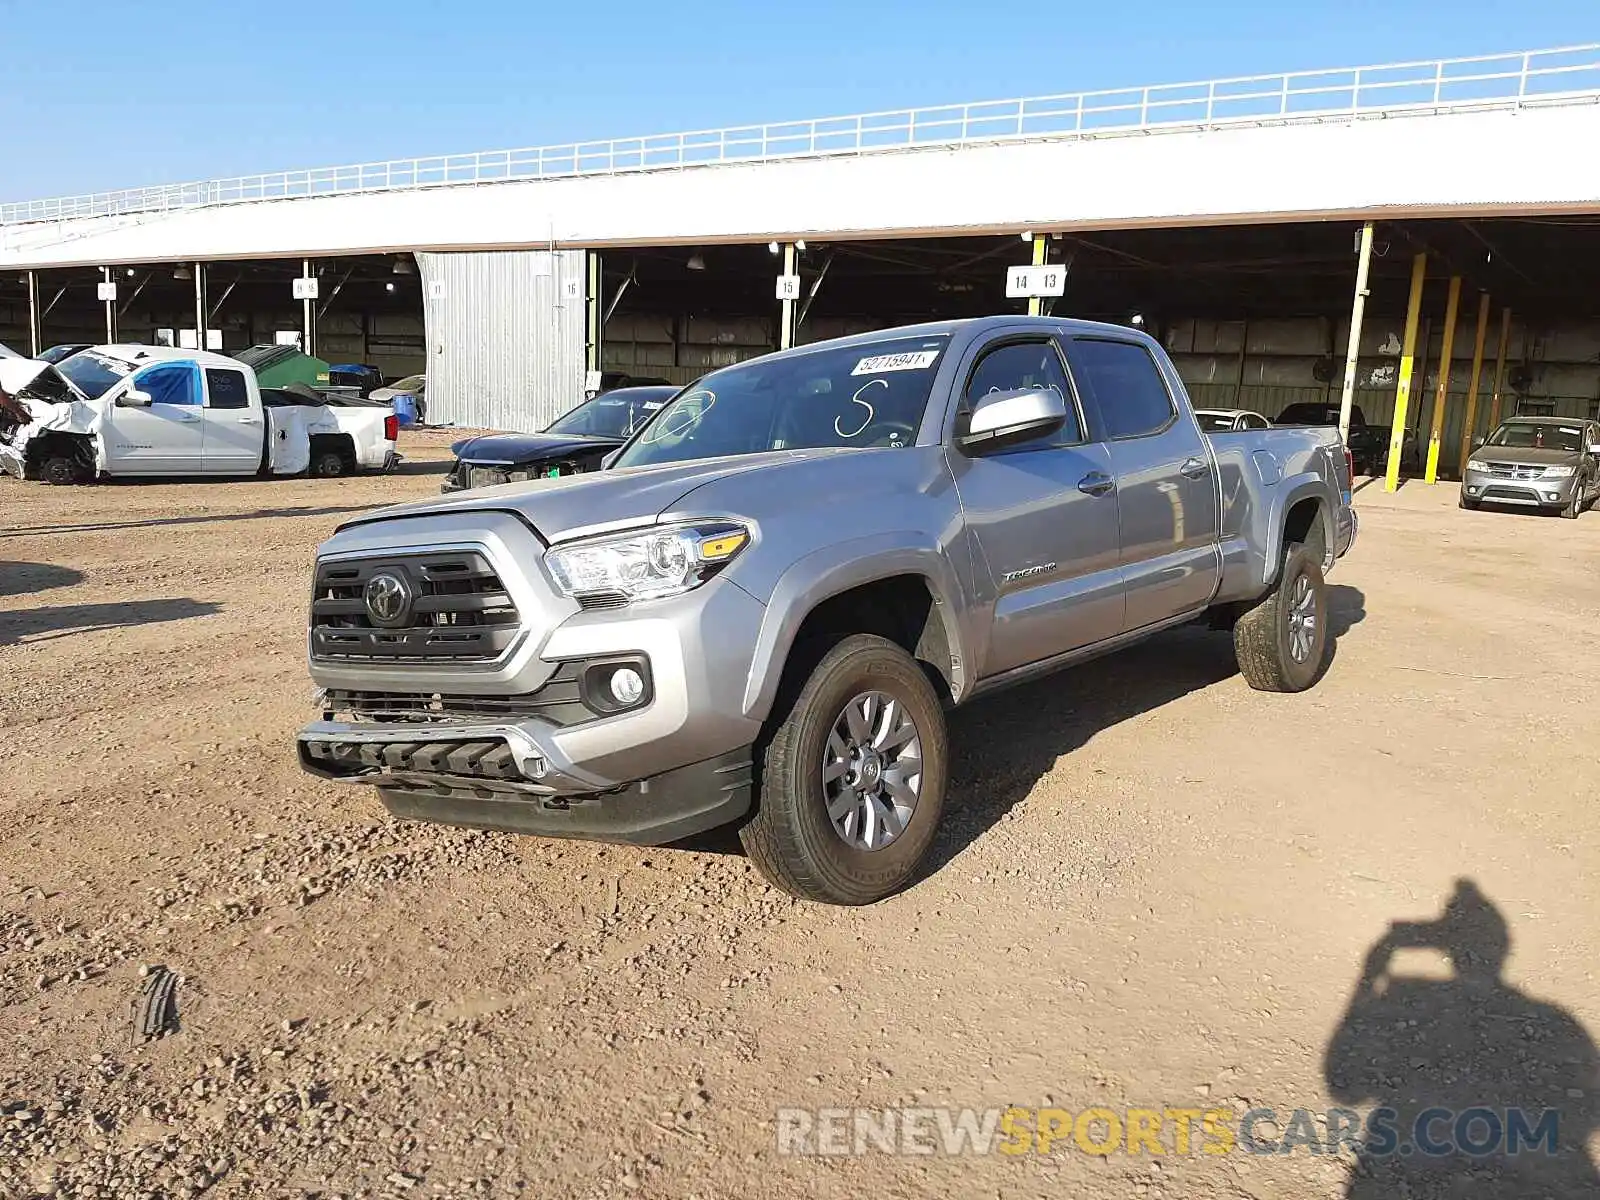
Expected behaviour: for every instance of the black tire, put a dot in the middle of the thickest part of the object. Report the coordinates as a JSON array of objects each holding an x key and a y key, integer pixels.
[
  {"x": 1574, "y": 506},
  {"x": 61, "y": 470},
  {"x": 1463, "y": 502},
  {"x": 327, "y": 464},
  {"x": 792, "y": 839},
  {"x": 1263, "y": 643}
]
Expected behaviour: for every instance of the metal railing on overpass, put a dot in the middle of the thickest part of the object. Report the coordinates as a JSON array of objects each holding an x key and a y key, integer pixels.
[{"x": 1569, "y": 74}]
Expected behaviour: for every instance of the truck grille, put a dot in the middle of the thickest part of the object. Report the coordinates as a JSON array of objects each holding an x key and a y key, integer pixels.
[
  {"x": 1503, "y": 470},
  {"x": 558, "y": 701},
  {"x": 454, "y": 607}
]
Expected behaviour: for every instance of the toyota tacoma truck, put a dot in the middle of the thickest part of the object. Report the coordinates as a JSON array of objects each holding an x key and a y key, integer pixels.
[
  {"x": 760, "y": 612},
  {"x": 113, "y": 411}
]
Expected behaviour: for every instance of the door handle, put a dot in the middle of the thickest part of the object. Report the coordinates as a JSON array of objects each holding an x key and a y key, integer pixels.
[
  {"x": 1096, "y": 483},
  {"x": 249, "y": 420},
  {"x": 1193, "y": 468}
]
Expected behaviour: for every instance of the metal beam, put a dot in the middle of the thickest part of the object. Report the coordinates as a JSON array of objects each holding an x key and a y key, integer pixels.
[
  {"x": 786, "y": 306},
  {"x": 223, "y": 299},
  {"x": 199, "y": 305},
  {"x": 337, "y": 288},
  {"x": 1041, "y": 245},
  {"x": 1442, "y": 392},
  {"x": 1500, "y": 367},
  {"x": 1494, "y": 253},
  {"x": 1358, "y": 310},
  {"x": 122, "y": 310},
  {"x": 1408, "y": 364},
  {"x": 111, "y": 309},
  {"x": 308, "y": 316},
  {"x": 816, "y": 286},
  {"x": 33, "y": 314},
  {"x": 593, "y": 318},
  {"x": 1469, "y": 422},
  {"x": 54, "y": 300},
  {"x": 628, "y": 281}
]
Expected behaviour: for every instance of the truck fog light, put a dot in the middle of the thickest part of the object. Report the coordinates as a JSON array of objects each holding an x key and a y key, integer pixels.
[
  {"x": 626, "y": 686},
  {"x": 1552, "y": 495},
  {"x": 1472, "y": 491}
]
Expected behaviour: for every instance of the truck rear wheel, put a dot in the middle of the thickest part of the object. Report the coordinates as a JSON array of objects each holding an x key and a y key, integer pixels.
[
  {"x": 327, "y": 464},
  {"x": 853, "y": 777},
  {"x": 1282, "y": 643}
]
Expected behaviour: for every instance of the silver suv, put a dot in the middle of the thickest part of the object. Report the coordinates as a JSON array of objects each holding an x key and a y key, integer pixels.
[
  {"x": 760, "y": 612},
  {"x": 1551, "y": 463}
]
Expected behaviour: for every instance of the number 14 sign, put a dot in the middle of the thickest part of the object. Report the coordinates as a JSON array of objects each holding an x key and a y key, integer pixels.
[{"x": 1036, "y": 281}]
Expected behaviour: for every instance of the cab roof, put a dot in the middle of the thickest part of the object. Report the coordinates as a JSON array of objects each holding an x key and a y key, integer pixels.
[{"x": 143, "y": 355}]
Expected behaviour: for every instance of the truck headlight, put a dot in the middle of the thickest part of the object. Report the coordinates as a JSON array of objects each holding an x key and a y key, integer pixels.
[
  {"x": 1558, "y": 472},
  {"x": 648, "y": 563}
]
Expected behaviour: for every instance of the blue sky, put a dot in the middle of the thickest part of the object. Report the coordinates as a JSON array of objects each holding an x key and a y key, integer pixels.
[{"x": 98, "y": 94}]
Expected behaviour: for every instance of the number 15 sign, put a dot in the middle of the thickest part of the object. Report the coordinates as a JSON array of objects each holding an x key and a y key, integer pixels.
[{"x": 1036, "y": 281}]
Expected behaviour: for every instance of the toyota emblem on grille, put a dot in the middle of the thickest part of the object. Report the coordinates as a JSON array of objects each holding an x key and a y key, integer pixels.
[{"x": 388, "y": 599}]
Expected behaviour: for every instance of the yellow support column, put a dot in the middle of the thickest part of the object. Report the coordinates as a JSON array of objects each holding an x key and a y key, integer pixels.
[
  {"x": 1408, "y": 364},
  {"x": 1471, "y": 419},
  {"x": 1040, "y": 242},
  {"x": 1442, "y": 392},
  {"x": 1500, "y": 368}
]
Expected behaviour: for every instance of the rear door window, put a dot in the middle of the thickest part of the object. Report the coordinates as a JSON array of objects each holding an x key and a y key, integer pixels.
[
  {"x": 227, "y": 389},
  {"x": 1128, "y": 390}
]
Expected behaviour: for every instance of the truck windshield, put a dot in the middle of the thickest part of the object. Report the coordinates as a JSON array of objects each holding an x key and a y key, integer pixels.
[
  {"x": 94, "y": 374},
  {"x": 867, "y": 394},
  {"x": 1536, "y": 435}
]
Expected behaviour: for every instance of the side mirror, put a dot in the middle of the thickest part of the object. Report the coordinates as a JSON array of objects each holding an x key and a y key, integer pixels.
[
  {"x": 605, "y": 463},
  {"x": 1477, "y": 443},
  {"x": 1594, "y": 447},
  {"x": 134, "y": 398},
  {"x": 1007, "y": 418}
]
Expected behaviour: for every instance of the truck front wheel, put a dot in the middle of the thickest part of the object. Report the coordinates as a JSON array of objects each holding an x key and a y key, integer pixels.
[
  {"x": 853, "y": 777},
  {"x": 1282, "y": 643},
  {"x": 62, "y": 470}
]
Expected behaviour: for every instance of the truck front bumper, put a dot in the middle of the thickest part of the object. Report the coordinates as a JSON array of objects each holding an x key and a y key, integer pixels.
[{"x": 512, "y": 777}]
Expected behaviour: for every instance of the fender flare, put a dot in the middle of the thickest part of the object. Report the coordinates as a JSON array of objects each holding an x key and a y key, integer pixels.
[
  {"x": 1293, "y": 489},
  {"x": 834, "y": 569}
]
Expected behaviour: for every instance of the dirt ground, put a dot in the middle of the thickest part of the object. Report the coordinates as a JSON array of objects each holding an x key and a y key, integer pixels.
[{"x": 1156, "y": 889}]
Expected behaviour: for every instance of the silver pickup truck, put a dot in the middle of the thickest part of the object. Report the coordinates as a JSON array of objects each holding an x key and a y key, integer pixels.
[{"x": 759, "y": 613}]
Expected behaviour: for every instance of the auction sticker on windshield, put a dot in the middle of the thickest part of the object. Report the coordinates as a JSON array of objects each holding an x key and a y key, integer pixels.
[{"x": 916, "y": 360}]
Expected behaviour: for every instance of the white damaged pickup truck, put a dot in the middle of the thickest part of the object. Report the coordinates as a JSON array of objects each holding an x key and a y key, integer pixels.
[{"x": 154, "y": 410}]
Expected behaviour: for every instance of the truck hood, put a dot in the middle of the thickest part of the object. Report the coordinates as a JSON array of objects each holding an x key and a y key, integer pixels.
[
  {"x": 1524, "y": 455},
  {"x": 519, "y": 449},
  {"x": 579, "y": 505},
  {"x": 38, "y": 389},
  {"x": 35, "y": 379}
]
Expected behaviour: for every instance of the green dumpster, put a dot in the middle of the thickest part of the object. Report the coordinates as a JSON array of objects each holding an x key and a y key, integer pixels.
[{"x": 279, "y": 366}]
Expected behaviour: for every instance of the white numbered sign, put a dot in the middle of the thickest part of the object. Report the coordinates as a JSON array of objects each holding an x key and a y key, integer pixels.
[
  {"x": 106, "y": 291},
  {"x": 788, "y": 287},
  {"x": 305, "y": 288},
  {"x": 1036, "y": 281},
  {"x": 572, "y": 289}
]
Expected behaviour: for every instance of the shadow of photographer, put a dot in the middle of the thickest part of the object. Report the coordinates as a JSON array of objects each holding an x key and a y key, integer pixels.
[{"x": 1469, "y": 1069}]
